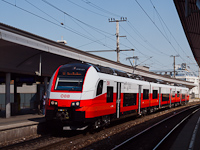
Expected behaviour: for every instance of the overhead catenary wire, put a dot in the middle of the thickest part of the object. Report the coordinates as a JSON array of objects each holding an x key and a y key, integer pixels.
[
  {"x": 168, "y": 28},
  {"x": 158, "y": 63},
  {"x": 59, "y": 25},
  {"x": 99, "y": 8},
  {"x": 162, "y": 21},
  {"x": 157, "y": 51},
  {"x": 91, "y": 42},
  {"x": 145, "y": 40},
  {"x": 160, "y": 31},
  {"x": 99, "y": 40},
  {"x": 137, "y": 50},
  {"x": 92, "y": 27},
  {"x": 105, "y": 11},
  {"x": 88, "y": 9},
  {"x": 156, "y": 26}
]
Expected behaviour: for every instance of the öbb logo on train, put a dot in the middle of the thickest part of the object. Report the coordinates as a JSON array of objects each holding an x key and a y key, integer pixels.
[{"x": 65, "y": 96}]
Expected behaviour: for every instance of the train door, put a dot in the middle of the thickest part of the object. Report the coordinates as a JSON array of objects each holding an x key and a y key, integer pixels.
[
  {"x": 185, "y": 96},
  {"x": 139, "y": 99},
  {"x": 118, "y": 101},
  {"x": 170, "y": 99},
  {"x": 180, "y": 95},
  {"x": 159, "y": 97}
]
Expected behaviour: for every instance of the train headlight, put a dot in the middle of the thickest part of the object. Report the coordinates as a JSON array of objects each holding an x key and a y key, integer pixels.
[
  {"x": 54, "y": 103},
  {"x": 75, "y": 104}
]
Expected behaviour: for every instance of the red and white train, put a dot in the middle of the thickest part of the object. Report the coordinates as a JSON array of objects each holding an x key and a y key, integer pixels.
[{"x": 83, "y": 94}]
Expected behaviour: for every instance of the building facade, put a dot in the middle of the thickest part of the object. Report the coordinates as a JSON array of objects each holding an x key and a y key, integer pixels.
[{"x": 183, "y": 73}]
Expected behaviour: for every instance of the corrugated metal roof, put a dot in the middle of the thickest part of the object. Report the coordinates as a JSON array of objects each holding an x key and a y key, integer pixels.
[{"x": 191, "y": 24}]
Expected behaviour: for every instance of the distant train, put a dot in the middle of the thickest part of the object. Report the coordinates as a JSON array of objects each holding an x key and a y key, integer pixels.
[{"x": 81, "y": 95}]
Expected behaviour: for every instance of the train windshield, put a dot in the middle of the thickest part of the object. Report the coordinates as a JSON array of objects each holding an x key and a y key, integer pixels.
[{"x": 70, "y": 78}]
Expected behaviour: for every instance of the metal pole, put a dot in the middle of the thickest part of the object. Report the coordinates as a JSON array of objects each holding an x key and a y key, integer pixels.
[
  {"x": 40, "y": 66},
  {"x": 174, "y": 66},
  {"x": 117, "y": 33},
  {"x": 7, "y": 90},
  {"x": 174, "y": 56},
  {"x": 134, "y": 57},
  {"x": 117, "y": 36}
]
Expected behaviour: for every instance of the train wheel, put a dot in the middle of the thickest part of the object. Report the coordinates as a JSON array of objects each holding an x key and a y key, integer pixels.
[
  {"x": 97, "y": 124},
  {"x": 151, "y": 110},
  {"x": 144, "y": 112},
  {"x": 105, "y": 120}
]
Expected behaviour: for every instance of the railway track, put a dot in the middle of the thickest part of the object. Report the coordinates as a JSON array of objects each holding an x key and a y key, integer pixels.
[
  {"x": 83, "y": 140},
  {"x": 155, "y": 137}
]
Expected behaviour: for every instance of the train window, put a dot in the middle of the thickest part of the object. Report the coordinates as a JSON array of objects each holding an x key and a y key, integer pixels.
[
  {"x": 155, "y": 94},
  {"x": 173, "y": 93},
  {"x": 178, "y": 93},
  {"x": 165, "y": 97},
  {"x": 129, "y": 99},
  {"x": 109, "y": 94},
  {"x": 70, "y": 78},
  {"x": 69, "y": 83},
  {"x": 99, "y": 87},
  {"x": 183, "y": 96},
  {"x": 145, "y": 94}
]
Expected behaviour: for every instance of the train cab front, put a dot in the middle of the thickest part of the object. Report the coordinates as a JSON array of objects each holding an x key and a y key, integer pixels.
[{"x": 65, "y": 95}]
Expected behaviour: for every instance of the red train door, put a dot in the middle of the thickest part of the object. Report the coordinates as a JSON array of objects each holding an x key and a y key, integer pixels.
[{"x": 118, "y": 101}]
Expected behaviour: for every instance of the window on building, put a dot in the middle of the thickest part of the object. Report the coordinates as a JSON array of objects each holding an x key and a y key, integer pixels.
[
  {"x": 165, "y": 97},
  {"x": 145, "y": 94},
  {"x": 99, "y": 88},
  {"x": 109, "y": 94},
  {"x": 129, "y": 99},
  {"x": 155, "y": 94}
]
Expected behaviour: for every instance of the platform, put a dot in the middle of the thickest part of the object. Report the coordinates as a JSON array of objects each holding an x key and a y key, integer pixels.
[{"x": 17, "y": 127}]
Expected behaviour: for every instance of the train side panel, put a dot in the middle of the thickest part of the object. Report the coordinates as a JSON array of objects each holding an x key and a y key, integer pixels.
[{"x": 79, "y": 93}]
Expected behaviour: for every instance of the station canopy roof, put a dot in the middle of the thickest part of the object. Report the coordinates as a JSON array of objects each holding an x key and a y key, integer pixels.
[
  {"x": 189, "y": 14},
  {"x": 20, "y": 53}
]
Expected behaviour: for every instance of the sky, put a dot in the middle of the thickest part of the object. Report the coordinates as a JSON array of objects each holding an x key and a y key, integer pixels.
[{"x": 153, "y": 28}]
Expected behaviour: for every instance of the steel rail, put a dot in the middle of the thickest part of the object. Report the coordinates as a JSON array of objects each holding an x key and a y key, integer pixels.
[
  {"x": 147, "y": 129},
  {"x": 183, "y": 120}
]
